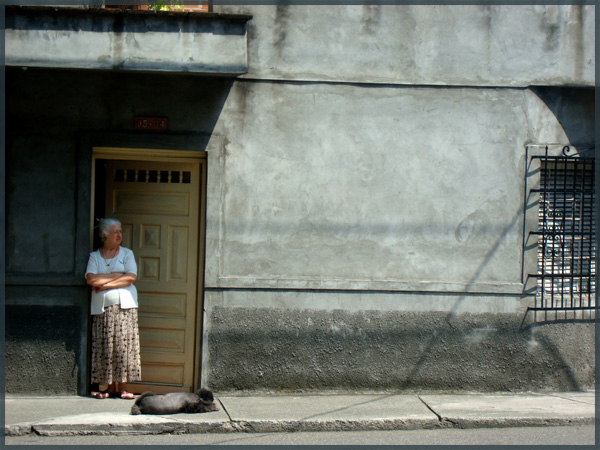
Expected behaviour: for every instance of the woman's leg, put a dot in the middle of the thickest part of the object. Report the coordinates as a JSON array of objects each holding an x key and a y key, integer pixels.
[
  {"x": 99, "y": 350},
  {"x": 118, "y": 390},
  {"x": 126, "y": 362}
]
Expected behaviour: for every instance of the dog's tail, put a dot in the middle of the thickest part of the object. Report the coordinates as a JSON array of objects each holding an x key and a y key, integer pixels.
[
  {"x": 135, "y": 409},
  {"x": 205, "y": 394}
]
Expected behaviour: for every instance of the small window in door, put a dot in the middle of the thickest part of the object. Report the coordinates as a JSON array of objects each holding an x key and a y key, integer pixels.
[{"x": 152, "y": 176}]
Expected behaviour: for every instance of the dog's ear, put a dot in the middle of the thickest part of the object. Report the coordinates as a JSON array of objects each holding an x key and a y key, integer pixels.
[{"x": 205, "y": 395}]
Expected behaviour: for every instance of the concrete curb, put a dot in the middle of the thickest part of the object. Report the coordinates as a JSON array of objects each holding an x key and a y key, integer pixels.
[
  {"x": 522, "y": 422},
  {"x": 160, "y": 425},
  {"x": 115, "y": 424},
  {"x": 270, "y": 414},
  {"x": 19, "y": 429},
  {"x": 269, "y": 426}
]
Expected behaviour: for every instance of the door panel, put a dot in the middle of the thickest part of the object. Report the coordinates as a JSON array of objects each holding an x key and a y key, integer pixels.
[{"x": 158, "y": 206}]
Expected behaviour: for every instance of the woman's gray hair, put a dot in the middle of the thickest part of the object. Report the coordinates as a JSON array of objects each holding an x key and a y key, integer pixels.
[{"x": 105, "y": 224}]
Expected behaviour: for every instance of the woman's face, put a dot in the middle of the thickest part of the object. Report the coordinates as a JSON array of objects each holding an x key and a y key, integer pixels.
[{"x": 114, "y": 236}]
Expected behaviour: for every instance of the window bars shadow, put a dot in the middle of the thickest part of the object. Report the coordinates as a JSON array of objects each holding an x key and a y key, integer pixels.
[{"x": 566, "y": 232}]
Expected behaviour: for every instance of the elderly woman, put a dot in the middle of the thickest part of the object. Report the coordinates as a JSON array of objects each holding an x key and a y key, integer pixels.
[{"x": 111, "y": 271}]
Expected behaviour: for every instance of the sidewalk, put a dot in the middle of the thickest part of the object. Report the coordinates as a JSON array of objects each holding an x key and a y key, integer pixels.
[{"x": 61, "y": 416}]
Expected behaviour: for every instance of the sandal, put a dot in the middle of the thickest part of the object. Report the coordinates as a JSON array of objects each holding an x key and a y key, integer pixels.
[
  {"x": 100, "y": 395},
  {"x": 127, "y": 395}
]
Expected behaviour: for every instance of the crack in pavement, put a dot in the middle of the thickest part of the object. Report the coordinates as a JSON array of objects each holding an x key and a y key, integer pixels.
[
  {"x": 430, "y": 408},
  {"x": 443, "y": 420},
  {"x": 225, "y": 409}
]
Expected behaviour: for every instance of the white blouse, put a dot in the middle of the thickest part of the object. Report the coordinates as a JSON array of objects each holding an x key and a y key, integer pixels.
[{"x": 124, "y": 262}]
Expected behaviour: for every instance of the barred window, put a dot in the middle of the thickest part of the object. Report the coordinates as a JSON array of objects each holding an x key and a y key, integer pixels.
[{"x": 566, "y": 234}]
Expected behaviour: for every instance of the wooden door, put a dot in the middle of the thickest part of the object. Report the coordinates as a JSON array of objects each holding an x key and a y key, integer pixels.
[{"x": 158, "y": 206}]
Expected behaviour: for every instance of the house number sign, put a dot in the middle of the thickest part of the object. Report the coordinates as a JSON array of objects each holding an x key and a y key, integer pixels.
[{"x": 151, "y": 123}]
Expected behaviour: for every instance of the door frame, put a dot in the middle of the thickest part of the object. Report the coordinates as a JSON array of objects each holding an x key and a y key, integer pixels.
[{"x": 162, "y": 155}]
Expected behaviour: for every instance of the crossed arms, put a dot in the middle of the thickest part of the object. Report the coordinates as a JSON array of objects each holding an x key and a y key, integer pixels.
[{"x": 104, "y": 281}]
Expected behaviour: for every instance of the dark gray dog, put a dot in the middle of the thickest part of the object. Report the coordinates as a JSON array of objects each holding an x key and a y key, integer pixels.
[{"x": 175, "y": 402}]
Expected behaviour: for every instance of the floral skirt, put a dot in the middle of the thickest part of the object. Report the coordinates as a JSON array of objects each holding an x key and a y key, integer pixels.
[{"x": 116, "y": 346}]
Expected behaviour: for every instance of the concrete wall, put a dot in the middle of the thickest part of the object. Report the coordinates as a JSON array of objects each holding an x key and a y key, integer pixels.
[
  {"x": 308, "y": 349},
  {"x": 386, "y": 187},
  {"x": 365, "y": 203},
  {"x": 366, "y": 233},
  {"x": 472, "y": 45},
  {"x": 105, "y": 39},
  {"x": 372, "y": 237},
  {"x": 44, "y": 346}
]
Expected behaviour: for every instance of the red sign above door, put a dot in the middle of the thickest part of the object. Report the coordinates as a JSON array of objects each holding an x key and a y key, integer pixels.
[{"x": 151, "y": 123}]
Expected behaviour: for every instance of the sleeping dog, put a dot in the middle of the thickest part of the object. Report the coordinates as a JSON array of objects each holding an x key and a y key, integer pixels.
[{"x": 175, "y": 402}]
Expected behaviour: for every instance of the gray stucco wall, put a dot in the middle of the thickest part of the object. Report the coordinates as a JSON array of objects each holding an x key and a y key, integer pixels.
[
  {"x": 371, "y": 187},
  {"x": 367, "y": 227},
  {"x": 364, "y": 236},
  {"x": 468, "y": 45}
]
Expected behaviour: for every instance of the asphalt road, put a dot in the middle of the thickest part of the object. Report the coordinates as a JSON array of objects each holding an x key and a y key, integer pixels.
[{"x": 573, "y": 435}]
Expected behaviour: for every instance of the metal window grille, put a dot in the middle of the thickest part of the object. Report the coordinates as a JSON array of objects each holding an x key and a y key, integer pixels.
[{"x": 566, "y": 234}]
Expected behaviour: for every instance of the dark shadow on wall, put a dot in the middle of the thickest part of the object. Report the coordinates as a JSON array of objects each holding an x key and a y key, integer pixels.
[
  {"x": 574, "y": 109},
  {"x": 49, "y": 113},
  {"x": 46, "y": 113},
  {"x": 42, "y": 349}
]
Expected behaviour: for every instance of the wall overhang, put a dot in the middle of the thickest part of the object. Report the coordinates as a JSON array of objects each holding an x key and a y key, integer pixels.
[{"x": 128, "y": 40}]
